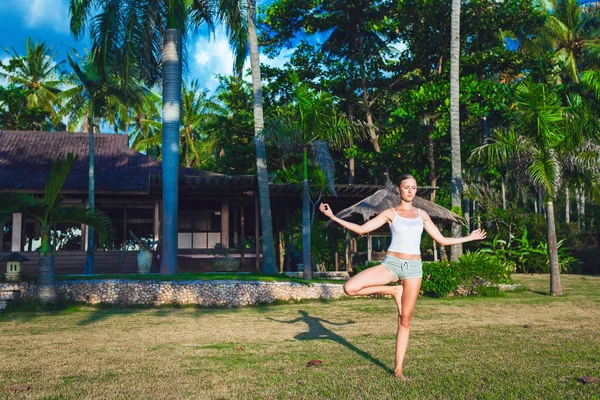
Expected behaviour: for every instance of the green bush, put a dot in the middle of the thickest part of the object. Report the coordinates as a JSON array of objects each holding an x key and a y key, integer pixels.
[
  {"x": 488, "y": 291},
  {"x": 488, "y": 266},
  {"x": 439, "y": 278},
  {"x": 369, "y": 264}
]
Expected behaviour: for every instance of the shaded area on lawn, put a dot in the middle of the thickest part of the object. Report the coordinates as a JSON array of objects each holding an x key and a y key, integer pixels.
[{"x": 316, "y": 330}]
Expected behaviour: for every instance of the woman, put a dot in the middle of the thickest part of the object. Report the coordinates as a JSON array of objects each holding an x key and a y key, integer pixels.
[{"x": 402, "y": 261}]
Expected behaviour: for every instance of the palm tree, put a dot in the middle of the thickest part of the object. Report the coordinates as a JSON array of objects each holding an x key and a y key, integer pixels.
[
  {"x": 570, "y": 34},
  {"x": 146, "y": 37},
  {"x": 199, "y": 111},
  {"x": 455, "y": 122},
  {"x": 92, "y": 93},
  {"x": 145, "y": 135},
  {"x": 539, "y": 144},
  {"x": 269, "y": 263},
  {"x": 49, "y": 212},
  {"x": 304, "y": 127},
  {"x": 37, "y": 72}
]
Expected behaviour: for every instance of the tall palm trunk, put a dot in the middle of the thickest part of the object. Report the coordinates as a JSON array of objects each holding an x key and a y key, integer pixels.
[
  {"x": 431, "y": 158},
  {"x": 366, "y": 104},
  {"x": 455, "y": 122},
  {"x": 555, "y": 286},
  {"x": 503, "y": 187},
  {"x": 580, "y": 199},
  {"x": 567, "y": 206},
  {"x": 268, "y": 248},
  {"x": 89, "y": 258},
  {"x": 306, "y": 260},
  {"x": 172, "y": 69},
  {"x": 46, "y": 282}
]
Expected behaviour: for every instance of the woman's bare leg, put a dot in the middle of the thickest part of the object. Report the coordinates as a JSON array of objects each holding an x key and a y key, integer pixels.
[
  {"x": 409, "y": 300},
  {"x": 373, "y": 281}
]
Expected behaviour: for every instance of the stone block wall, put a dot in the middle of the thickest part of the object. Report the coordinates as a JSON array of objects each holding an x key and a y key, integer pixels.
[{"x": 224, "y": 293}]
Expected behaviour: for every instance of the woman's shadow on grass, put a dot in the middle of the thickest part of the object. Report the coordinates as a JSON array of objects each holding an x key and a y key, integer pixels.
[{"x": 316, "y": 330}]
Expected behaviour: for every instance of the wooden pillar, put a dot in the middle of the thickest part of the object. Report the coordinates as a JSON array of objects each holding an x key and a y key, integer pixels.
[
  {"x": 156, "y": 220},
  {"x": 225, "y": 223},
  {"x": 257, "y": 230},
  {"x": 1, "y": 237},
  {"x": 347, "y": 250},
  {"x": 125, "y": 232},
  {"x": 235, "y": 228},
  {"x": 83, "y": 237},
  {"x": 290, "y": 247},
  {"x": 281, "y": 251},
  {"x": 369, "y": 246},
  {"x": 278, "y": 248},
  {"x": 242, "y": 231},
  {"x": 17, "y": 232},
  {"x": 337, "y": 262}
]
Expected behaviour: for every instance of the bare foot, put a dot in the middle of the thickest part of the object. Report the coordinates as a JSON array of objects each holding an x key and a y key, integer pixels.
[
  {"x": 401, "y": 376},
  {"x": 398, "y": 298}
]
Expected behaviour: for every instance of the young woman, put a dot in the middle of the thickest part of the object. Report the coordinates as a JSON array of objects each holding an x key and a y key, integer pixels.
[{"x": 402, "y": 261}]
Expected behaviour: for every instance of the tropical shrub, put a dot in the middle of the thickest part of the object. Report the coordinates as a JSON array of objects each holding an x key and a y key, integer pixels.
[
  {"x": 439, "y": 278},
  {"x": 529, "y": 256},
  {"x": 488, "y": 266}
]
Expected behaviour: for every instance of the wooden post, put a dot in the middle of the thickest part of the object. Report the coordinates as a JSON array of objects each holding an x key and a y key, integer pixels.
[
  {"x": 288, "y": 252},
  {"x": 257, "y": 230},
  {"x": 242, "y": 230},
  {"x": 225, "y": 223},
  {"x": 369, "y": 246},
  {"x": 281, "y": 251},
  {"x": 17, "y": 232},
  {"x": 83, "y": 237},
  {"x": 337, "y": 263},
  {"x": 156, "y": 220},
  {"x": 235, "y": 227},
  {"x": 276, "y": 233},
  {"x": 125, "y": 234},
  {"x": 2, "y": 238}
]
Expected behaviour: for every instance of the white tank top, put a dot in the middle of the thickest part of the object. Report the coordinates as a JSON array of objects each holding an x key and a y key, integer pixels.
[{"x": 406, "y": 234}]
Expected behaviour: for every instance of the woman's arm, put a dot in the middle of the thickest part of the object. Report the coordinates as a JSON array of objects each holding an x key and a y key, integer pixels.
[
  {"x": 436, "y": 235},
  {"x": 367, "y": 227}
]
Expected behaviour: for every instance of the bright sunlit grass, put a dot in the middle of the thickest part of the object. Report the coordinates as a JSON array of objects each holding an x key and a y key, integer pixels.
[{"x": 522, "y": 345}]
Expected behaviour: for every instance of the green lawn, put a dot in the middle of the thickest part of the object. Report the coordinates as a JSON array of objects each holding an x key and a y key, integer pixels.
[{"x": 522, "y": 345}]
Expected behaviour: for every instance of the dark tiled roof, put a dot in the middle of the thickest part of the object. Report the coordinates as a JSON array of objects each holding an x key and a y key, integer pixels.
[{"x": 26, "y": 160}]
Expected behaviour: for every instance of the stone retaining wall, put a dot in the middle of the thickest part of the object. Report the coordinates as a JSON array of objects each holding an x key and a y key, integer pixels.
[
  {"x": 321, "y": 275},
  {"x": 226, "y": 293}
]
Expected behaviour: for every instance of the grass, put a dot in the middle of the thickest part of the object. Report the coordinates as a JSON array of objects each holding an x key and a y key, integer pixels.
[{"x": 523, "y": 345}]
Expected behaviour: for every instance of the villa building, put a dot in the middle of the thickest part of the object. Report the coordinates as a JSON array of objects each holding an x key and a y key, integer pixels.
[{"x": 213, "y": 208}]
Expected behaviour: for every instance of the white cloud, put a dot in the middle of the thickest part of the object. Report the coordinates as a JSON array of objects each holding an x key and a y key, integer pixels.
[
  {"x": 209, "y": 57},
  {"x": 278, "y": 62},
  {"x": 213, "y": 56},
  {"x": 3, "y": 80},
  {"x": 46, "y": 13}
]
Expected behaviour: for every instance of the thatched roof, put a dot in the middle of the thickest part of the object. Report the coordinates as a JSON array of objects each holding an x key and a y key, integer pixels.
[{"x": 388, "y": 197}]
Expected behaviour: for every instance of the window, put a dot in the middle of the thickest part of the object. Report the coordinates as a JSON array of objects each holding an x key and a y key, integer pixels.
[{"x": 199, "y": 229}]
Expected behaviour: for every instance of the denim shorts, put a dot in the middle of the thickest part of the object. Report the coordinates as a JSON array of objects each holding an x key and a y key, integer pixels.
[{"x": 402, "y": 268}]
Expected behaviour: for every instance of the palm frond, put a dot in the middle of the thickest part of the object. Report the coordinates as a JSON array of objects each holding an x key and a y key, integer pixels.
[
  {"x": 545, "y": 171},
  {"x": 58, "y": 175},
  {"x": 324, "y": 160},
  {"x": 80, "y": 213},
  {"x": 235, "y": 17},
  {"x": 17, "y": 202}
]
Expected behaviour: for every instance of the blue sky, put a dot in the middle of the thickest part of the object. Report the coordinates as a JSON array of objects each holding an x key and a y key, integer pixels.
[{"x": 48, "y": 20}]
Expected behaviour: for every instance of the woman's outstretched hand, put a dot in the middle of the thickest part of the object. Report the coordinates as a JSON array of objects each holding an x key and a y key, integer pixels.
[
  {"x": 325, "y": 209},
  {"x": 478, "y": 234}
]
